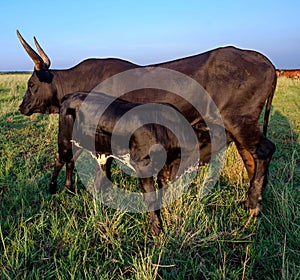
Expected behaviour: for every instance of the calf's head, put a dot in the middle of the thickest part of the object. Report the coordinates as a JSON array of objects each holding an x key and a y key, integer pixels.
[{"x": 41, "y": 94}]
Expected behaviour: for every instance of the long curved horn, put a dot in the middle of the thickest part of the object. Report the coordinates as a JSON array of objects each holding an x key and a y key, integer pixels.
[
  {"x": 42, "y": 53},
  {"x": 38, "y": 61}
]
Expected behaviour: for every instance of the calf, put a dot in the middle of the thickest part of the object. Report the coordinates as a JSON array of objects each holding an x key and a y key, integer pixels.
[{"x": 148, "y": 141}]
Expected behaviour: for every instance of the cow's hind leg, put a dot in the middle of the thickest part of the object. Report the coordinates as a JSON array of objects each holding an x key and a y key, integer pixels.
[
  {"x": 262, "y": 157},
  {"x": 256, "y": 159}
]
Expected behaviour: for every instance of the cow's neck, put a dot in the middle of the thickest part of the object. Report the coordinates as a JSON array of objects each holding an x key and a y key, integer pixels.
[{"x": 66, "y": 81}]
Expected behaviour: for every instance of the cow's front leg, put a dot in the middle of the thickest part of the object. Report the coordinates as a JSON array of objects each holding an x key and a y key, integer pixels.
[{"x": 153, "y": 206}]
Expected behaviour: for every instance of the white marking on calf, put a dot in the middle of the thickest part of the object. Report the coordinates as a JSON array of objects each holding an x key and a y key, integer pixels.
[
  {"x": 102, "y": 158},
  {"x": 125, "y": 159}
]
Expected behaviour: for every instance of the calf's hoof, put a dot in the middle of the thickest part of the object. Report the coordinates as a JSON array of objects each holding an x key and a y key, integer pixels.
[
  {"x": 69, "y": 188},
  {"x": 155, "y": 225},
  {"x": 52, "y": 188},
  {"x": 156, "y": 230},
  {"x": 254, "y": 205}
]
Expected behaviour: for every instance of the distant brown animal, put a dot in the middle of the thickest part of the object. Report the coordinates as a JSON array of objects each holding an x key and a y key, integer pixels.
[
  {"x": 278, "y": 73},
  {"x": 293, "y": 74}
]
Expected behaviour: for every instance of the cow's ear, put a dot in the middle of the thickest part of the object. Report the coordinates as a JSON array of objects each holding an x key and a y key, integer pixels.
[{"x": 44, "y": 76}]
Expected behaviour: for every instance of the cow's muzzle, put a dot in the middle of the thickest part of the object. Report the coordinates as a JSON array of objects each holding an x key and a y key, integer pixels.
[{"x": 25, "y": 111}]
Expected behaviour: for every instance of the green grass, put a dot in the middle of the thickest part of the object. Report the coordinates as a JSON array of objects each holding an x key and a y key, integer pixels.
[{"x": 68, "y": 236}]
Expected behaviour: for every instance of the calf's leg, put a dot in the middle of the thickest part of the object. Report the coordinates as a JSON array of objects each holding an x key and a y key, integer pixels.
[
  {"x": 58, "y": 165},
  {"x": 152, "y": 204},
  {"x": 107, "y": 168},
  {"x": 61, "y": 159}
]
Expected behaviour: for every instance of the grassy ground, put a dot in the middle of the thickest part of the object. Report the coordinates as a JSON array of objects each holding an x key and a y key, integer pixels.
[{"x": 75, "y": 237}]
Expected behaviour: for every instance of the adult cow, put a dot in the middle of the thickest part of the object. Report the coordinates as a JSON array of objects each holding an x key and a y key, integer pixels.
[{"x": 239, "y": 82}]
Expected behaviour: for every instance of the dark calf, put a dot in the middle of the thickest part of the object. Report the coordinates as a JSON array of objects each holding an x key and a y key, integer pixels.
[{"x": 148, "y": 142}]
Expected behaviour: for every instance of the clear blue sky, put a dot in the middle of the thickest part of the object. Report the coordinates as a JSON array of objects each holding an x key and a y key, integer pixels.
[{"x": 147, "y": 31}]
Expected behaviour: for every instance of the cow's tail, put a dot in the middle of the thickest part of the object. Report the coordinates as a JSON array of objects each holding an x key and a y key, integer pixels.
[{"x": 268, "y": 106}]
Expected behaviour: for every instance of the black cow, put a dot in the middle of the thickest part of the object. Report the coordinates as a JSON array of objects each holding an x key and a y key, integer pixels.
[
  {"x": 238, "y": 81},
  {"x": 146, "y": 145}
]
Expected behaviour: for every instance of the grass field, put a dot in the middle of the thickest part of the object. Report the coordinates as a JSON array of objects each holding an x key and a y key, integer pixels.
[{"x": 68, "y": 236}]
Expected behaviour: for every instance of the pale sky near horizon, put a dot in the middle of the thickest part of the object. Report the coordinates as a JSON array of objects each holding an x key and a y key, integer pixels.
[{"x": 147, "y": 32}]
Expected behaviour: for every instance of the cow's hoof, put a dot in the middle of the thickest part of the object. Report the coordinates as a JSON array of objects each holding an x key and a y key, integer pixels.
[{"x": 255, "y": 211}]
